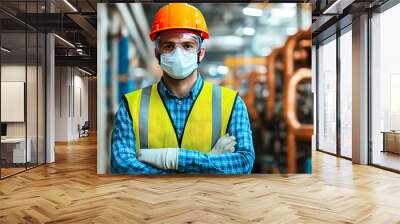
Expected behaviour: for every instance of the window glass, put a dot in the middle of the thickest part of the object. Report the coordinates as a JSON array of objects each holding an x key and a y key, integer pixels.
[{"x": 327, "y": 96}]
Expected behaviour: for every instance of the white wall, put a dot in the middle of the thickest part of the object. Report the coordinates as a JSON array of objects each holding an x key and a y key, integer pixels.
[
  {"x": 12, "y": 73},
  {"x": 80, "y": 94},
  {"x": 33, "y": 126},
  {"x": 61, "y": 103},
  {"x": 71, "y": 93}
]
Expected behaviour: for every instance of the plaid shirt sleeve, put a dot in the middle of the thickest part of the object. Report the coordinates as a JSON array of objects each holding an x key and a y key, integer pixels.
[
  {"x": 239, "y": 162},
  {"x": 123, "y": 152}
]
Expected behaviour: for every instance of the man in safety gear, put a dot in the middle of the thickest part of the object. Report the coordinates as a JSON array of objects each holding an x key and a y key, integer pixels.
[{"x": 182, "y": 124}]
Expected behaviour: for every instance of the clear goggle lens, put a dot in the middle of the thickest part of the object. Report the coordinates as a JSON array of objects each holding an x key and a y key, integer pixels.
[{"x": 189, "y": 43}]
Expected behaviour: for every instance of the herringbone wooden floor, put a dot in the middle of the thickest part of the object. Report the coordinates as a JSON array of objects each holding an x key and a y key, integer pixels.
[{"x": 70, "y": 191}]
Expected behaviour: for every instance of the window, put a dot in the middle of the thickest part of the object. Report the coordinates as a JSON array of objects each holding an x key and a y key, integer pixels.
[
  {"x": 327, "y": 95},
  {"x": 22, "y": 77},
  {"x": 385, "y": 89},
  {"x": 346, "y": 93}
]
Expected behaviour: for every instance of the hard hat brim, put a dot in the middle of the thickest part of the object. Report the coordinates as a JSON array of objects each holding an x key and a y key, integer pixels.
[{"x": 202, "y": 34}]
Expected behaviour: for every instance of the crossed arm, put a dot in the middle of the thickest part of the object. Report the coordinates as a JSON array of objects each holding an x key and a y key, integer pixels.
[{"x": 124, "y": 159}]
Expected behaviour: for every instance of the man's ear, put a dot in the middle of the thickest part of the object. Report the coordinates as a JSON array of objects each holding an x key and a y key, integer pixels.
[{"x": 202, "y": 54}]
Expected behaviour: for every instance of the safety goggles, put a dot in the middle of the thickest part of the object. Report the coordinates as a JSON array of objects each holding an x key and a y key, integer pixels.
[{"x": 189, "y": 43}]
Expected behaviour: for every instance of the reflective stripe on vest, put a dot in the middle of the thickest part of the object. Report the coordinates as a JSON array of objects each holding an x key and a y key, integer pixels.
[{"x": 207, "y": 120}]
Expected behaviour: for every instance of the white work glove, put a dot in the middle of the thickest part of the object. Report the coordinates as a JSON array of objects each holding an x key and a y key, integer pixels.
[
  {"x": 224, "y": 144},
  {"x": 165, "y": 158}
]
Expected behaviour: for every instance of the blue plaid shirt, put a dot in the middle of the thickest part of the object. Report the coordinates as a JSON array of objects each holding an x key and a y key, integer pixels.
[{"x": 123, "y": 155}]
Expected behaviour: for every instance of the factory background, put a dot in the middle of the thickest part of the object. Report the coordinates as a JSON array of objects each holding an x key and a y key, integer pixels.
[{"x": 254, "y": 48}]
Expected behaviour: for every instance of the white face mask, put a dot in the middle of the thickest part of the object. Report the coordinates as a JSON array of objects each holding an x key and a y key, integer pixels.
[{"x": 177, "y": 64}]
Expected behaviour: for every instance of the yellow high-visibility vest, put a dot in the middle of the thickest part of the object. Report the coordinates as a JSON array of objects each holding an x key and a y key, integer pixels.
[{"x": 208, "y": 118}]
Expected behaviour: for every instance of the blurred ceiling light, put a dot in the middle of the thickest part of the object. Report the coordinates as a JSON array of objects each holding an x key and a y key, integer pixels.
[
  {"x": 70, "y": 5},
  {"x": 5, "y": 50},
  {"x": 249, "y": 31},
  {"x": 79, "y": 51},
  {"x": 84, "y": 71},
  {"x": 221, "y": 69},
  {"x": 283, "y": 13},
  {"x": 65, "y": 41},
  {"x": 252, "y": 11}
]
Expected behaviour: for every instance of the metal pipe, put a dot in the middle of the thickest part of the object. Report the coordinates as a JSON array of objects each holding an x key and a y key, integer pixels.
[
  {"x": 133, "y": 31},
  {"x": 295, "y": 129},
  {"x": 138, "y": 13},
  {"x": 115, "y": 27},
  {"x": 289, "y": 58},
  {"x": 289, "y": 51},
  {"x": 271, "y": 82}
]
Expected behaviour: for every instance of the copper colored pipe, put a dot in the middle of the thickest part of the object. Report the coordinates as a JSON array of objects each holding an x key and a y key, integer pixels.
[
  {"x": 290, "y": 57},
  {"x": 289, "y": 50},
  {"x": 271, "y": 82},
  {"x": 300, "y": 55},
  {"x": 295, "y": 129},
  {"x": 305, "y": 43}
]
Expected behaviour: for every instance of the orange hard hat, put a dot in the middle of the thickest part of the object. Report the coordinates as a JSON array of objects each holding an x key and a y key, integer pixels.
[{"x": 179, "y": 16}]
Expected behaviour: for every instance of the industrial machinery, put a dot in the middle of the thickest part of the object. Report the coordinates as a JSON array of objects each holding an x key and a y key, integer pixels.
[{"x": 280, "y": 105}]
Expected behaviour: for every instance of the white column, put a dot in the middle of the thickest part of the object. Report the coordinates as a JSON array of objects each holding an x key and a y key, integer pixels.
[
  {"x": 102, "y": 151},
  {"x": 360, "y": 90},
  {"x": 50, "y": 92},
  {"x": 314, "y": 90},
  {"x": 50, "y": 99}
]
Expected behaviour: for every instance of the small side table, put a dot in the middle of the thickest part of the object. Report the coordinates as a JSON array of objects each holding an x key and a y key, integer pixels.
[{"x": 391, "y": 141}]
